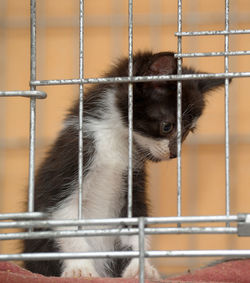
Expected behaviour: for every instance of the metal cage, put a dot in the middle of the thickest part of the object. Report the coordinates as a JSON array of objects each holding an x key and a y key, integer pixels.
[{"x": 227, "y": 223}]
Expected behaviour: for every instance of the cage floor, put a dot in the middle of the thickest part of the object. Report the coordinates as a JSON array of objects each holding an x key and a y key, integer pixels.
[{"x": 230, "y": 271}]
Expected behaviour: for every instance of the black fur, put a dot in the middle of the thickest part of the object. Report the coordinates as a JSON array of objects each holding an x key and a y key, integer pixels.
[{"x": 153, "y": 102}]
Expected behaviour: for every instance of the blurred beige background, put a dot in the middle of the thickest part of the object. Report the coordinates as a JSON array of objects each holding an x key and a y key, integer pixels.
[{"x": 155, "y": 23}]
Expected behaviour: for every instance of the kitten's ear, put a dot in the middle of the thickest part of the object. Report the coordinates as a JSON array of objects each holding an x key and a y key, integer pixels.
[
  {"x": 210, "y": 84},
  {"x": 163, "y": 63}
]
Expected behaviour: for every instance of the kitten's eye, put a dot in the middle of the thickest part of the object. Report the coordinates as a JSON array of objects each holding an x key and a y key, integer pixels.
[{"x": 166, "y": 128}]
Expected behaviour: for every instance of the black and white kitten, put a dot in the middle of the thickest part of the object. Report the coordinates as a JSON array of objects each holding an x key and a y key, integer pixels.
[{"x": 105, "y": 162}]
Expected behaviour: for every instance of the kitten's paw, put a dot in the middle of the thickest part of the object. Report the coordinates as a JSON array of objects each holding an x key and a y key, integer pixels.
[
  {"x": 151, "y": 272},
  {"x": 79, "y": 268},
  {"x": 132, "y": 270}
]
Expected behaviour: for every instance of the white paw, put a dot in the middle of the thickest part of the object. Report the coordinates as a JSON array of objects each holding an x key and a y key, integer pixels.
[
  {"x": 79, "y": 268},
  {"x": 132, "y": 270},
  {"x": 151, "y": 272}
]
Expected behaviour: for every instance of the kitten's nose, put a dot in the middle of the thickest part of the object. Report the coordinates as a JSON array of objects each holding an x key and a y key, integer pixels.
[{"x": 173, "y": 155}]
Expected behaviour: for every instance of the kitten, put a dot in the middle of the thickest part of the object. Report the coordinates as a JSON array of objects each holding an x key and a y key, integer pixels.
[{"x": 105, "y": 162}]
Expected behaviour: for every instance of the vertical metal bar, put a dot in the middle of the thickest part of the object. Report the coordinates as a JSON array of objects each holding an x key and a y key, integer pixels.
[
  {"x": 193, "y": 160},
  {"x": 3, "y": 61},
  {"x": 32, "y": 105},
  {"x": 80, "y": 153},
  {"x": 227, "y": 153},
  {"x": 179, "y": 113},
  {"x": 130, "y": 107},
  {"x": 141, "y": 249}
]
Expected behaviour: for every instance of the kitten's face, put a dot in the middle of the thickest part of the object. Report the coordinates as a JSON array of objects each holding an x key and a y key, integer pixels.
[
  {"x": 155, "y": 122},
  {"x": 155, "y": 105}
]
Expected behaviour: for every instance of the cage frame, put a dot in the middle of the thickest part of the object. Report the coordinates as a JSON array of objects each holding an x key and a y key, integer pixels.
[{"x": 31, "y": 219}]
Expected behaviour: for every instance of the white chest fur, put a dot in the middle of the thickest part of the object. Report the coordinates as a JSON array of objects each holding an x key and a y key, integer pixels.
[
  {"x": 102, "y": 186},
  {"x": 103, "y": 193}
]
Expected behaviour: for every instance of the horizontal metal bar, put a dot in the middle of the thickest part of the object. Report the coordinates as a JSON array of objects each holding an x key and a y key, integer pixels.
[
  {"x": 212, "y": 54},
  {"x": 117, "y": 231},
  {"x": 66, "y": 223},
  {"x": 140, "y": 79},
  {"x": 24, "y": 93},
  {"x": 55, "y": 256},
  {"x": 196, "y": 219},
  {"x": 129, "y": 254},
  {"x": 199, "y": 253},
  {"x": 213, "y": 32},
  {"x": 22, "y": 216},
  {"x": 111, "y": 221},
  {"x": 191, "y": 230}
]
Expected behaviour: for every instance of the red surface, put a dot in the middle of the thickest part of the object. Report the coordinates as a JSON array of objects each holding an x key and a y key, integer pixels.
[{"x": 237, "y": 271}]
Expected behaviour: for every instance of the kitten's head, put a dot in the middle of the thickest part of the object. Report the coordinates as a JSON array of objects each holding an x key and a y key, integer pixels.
[{"x": 155, "y": 105}]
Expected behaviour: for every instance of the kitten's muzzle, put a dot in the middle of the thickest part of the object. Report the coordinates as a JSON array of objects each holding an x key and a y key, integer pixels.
[
  {"x": 173, "y": 144},
  {"x": 173, "y": 155},
  {"x": 173, "y": 149}
]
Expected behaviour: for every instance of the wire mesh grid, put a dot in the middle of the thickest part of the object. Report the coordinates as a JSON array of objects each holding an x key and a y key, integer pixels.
[{"x": 32, "y": 219}]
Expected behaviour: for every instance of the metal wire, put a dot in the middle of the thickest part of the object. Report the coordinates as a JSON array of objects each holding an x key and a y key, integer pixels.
[
  {"x": 141, "y": 248},
  {"x": 22, "y": 216},
  {"x": 213, "y": 54},
  {"x": 179, "y": 114},
  {"x": 213, "y": 32},
  {"x": 80, "y": 139},
  {"x": 32, "y": 106},
  {"x": 116, "y": 232},
  {"x": 140, "y": 79},
  {"x": 227, "y": 153},
  {"x": 24, "y": 93},
  {"x": 130, "y": 107},
  {"x": 129, "y": 254},
  {"x": 112, "y": 221}
]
